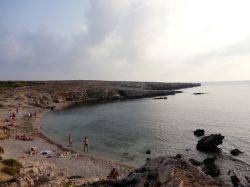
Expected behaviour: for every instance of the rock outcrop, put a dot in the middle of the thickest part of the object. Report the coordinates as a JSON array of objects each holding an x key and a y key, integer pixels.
[
  {"x": 235, "y": 152},
  {"x": 199, "y": 132},
  {"x": 164, "y": 172},
  {"x": 210, "y": 143},
  {"x": 210, "y": 167}
]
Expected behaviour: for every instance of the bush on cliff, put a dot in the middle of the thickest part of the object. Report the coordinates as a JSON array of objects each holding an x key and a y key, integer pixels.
[{"x": 12, "y": 163}]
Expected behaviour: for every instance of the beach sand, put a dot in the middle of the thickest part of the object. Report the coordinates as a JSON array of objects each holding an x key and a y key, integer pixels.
[{"x": 62, "y": 162}]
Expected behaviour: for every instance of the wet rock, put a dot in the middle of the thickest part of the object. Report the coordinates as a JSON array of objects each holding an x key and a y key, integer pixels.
[
  {"x": 210, "y": 143},
  {"x": 208, "y": 161},
  {"x": 195, "y": 162},
  {"x": 235, "y": 180},
  {"x": 247, "y": 179},
  {"x": 199, "y": 132},
  {"x": 210, "y": 167},
  {"x": 148, "y": 152},
  {"x": 236, "y": 152},
  {"x": 212, "y": 170},
  {"x": 198, "y": 93},
  {"x": 179, "y": 156}
]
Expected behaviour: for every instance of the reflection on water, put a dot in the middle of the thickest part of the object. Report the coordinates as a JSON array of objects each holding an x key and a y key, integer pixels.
[{"x": 124, "y": 131}]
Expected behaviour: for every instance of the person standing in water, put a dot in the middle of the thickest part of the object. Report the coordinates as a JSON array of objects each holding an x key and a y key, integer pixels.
[
  {"x": 70, "y": 139},
  {"x": 86, "y": 144}
]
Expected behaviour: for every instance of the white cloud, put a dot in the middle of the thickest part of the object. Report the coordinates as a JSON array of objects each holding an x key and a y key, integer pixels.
[{"x": 164, "y": 40}]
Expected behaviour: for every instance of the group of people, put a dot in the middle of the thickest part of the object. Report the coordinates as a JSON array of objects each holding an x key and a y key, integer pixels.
[{"x": 85, "y": 142}]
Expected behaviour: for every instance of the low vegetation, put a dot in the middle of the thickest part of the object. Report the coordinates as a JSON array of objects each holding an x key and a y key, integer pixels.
[
  {"x": 9, "y": 169},
  {"x": 12, "y": 163},
  {"x": 15, "y": 84}
]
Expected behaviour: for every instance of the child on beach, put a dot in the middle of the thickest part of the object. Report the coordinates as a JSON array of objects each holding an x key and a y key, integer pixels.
[{"x": 86, "y": 144}]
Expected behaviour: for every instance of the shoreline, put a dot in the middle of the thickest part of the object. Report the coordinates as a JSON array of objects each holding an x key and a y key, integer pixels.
[
  {"x": 41, "y": 99},
  {"x": 45, "y": 137},
  {"x": 67, "y": 157}
]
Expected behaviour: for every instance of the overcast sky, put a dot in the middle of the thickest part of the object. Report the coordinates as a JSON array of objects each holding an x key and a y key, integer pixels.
[{"x": 140, "y": 40}]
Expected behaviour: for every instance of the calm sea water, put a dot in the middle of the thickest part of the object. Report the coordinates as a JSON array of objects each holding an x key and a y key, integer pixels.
[{"x": 124, "y": 131}]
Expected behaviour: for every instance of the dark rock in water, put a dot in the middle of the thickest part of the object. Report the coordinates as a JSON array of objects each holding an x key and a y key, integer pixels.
[
  {"x": 235, "y": 180},
  {"x": 236, "y": 152},
  {"x": 148, "y": 152},
  {"x": 212, "y": 170},
  {"x": 186, "y": 149},
  {"x": 198, "y": 93},
  {"x": 179, "y": 156},
  {"x": 210, "y": 167},
  {"x": 147, "y": 159},
  {"x": 195, "y": 162},
  {"x": 247, "y": 179},
  {"x": 208, "y": 161},
  {"x": 209, "y": 143},
  {"x": 160, "y": 98},
  {"x": 199, "y": 132}
]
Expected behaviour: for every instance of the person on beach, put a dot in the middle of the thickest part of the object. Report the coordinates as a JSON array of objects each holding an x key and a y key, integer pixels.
[
  {"x": 86, "y": 144},
  {"x": 113, "y": 174},
  {"x": 70, "y": 139}
]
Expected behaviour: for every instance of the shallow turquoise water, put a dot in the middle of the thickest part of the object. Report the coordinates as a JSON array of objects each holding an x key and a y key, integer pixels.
[{"x": 124, "y": 131}]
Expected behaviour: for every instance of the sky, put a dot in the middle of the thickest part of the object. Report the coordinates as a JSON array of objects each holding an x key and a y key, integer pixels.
[{"x": 134, "y": 40}]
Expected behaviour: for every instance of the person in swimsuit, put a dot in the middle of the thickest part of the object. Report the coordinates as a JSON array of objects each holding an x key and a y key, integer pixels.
[
  {"x": 70, "y": 139},
  {"x": 86, "y": 144},
  {"x": 113, "y": 174}
]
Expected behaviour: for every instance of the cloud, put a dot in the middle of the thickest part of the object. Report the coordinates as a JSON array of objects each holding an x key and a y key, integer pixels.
[{"x": 142, "y": 40}]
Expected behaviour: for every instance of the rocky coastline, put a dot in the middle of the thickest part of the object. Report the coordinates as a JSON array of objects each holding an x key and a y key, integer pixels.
[{"x": 69, "y": 168}]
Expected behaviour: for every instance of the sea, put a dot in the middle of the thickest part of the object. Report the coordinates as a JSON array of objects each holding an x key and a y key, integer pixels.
[{"x": 125, "y": 131}]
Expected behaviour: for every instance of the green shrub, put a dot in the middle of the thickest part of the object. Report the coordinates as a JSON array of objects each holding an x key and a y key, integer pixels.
[
  {"x": 1, "y": 150},
  {"x": 12, "y": 163},
  {"x": 10, "y": 170}
]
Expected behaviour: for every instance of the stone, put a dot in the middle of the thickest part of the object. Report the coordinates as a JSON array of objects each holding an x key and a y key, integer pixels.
[
  {"x": 148, "y": 152},
  {"x": 22, "y": 182},
  {"x": 199, "y": 132},
  {"x": 210, "y": 167},
  {"x": 195, "y": 162},
  {"x": 179, "y": 156},
  {"x": 235, "y": 180},
  {"x": 210, "y": 143},
  {"x": 235, "y": 152}
]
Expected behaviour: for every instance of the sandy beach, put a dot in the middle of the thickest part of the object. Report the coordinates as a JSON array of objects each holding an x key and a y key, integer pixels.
[
  {"x": 62, "y": 162},
  {"x": 22, "y": 108}
]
